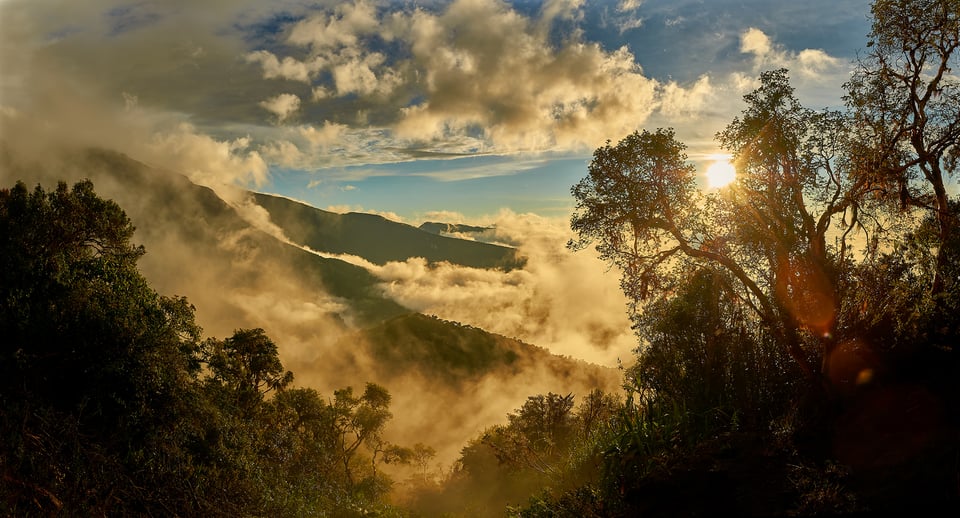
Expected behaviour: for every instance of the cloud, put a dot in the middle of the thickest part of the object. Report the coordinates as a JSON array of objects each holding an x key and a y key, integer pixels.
[
  {"x": 344, "y": 27},
  {"x": 288, "y": 68},
  {"x": 504, "y": 85},
  {"x": 754, "y": 41},
  {"x": 324, "y": 137},
  {"x": 396, "y": 80},
  {"x": 284, "y": 153},
  {"x": 568, "y": 302},
  {"x": 444, "y": 216},
  {"x": 344, "y": 209},
  {"x": 282, "y": 105},
  {"x": 553, "y": 10},
  {"x": 206, "y": 160},
  {"x": 357, "y": 76},
  {"x": 506, "y": 80},
  {"x": 812, "y": 64},
  {"x": 815, "y": 62},
  {"x": 677, "y": 101}
]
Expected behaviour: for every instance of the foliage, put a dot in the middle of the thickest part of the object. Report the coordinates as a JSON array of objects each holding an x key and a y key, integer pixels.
[
  {"x": 759, "y": 315},
  {"x": 766, "y": 237},
  {"x": 113, "y": 405},
  {"x": 904, "y": 98},
  {"x": 797, "y": 339},
  {"x": 550, "y": 445}
]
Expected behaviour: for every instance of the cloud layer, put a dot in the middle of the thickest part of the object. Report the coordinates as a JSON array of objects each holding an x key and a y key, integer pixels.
[{"x": 365, "y": 81}]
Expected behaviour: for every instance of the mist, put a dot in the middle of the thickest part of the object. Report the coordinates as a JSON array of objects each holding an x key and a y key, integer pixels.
[
  {"x": 225, "y": 267},
  {"x": 62, "y": 120}
]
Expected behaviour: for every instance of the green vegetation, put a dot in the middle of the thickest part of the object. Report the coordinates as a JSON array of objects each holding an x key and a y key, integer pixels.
[
  {"x": 114, "y": 405},
  {"x": 797, "y": 331}
]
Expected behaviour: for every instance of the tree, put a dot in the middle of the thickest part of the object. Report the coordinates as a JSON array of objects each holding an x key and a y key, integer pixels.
[
  {"x": 247, "y": 365},
  {"x": 766, "y": 237},
  {"x": 905, "y": 97},
  {"x": 97, "y": 371},
  {"x": 547, "y": 447},
  {"x": 702, "y": 353},
  {"x": 112, "y": 404},
  {"x": 360, "y": 421},
  {"x": 796, "y": 186},
  {"x": 537, "y": 435}
]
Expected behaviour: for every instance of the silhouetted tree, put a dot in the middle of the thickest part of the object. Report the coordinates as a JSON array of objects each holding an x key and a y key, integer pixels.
[
  {"x": 905, "y": 96},
  {"x": 765, "y": 235}
]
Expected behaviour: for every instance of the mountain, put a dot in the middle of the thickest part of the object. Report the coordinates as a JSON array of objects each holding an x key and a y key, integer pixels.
[
  {"x": 450, "y": 380},
  {"x": 378, "y": 239},
  {"x": 200, "y": 246},
  {"x": 332, "y": 321},
  {"x": 451, "y": 228},
  {"x": 459, "y": 354}
]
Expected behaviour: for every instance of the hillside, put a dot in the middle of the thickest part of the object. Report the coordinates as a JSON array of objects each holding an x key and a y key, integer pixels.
[
  {"x": 450, "y": 377},
  {"x": 200, "y": 246},
  {"x": 378, "y": 239},
  {"x": 459, "y": 354},
  {"x": 333, "y": 323}
]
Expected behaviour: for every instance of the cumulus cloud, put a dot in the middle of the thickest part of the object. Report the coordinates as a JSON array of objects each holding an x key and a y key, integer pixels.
[
  {"x": 342, "y": 28},
  {"x": 808, "y": 63},
  {"x": 325, "y": 136},
  {"x": 206, "y": 160},
  {"x": 282, "y": 105},
  {"x": 501, "y": 86},
  {"x": 288, "y": 68},
  {"x": 677, "y": 101},
  {"x": 754, "y": 41},
  {"x": 815, "y": 62},
  {"x": 284, "y": 153},
  {"x": 357, "y": 76},
  {"x": 506, "y": 79}
]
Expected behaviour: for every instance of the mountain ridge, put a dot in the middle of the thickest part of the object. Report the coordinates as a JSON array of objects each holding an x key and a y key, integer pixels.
[
  {"x": 332, "y": 320},
  {"x": 349, "y": 233}
]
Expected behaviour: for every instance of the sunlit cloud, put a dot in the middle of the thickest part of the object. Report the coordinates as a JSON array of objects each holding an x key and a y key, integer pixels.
[
  {"x": 206, "y": 160},
  {"x": 372, "y": 82},
  {"x": 282, "y": 106},
  {"x": 345, "y": 209},
  {"x": 567, "y": 302},
  {"x": 808, "y": 63},
  {"x": 288, "y": 68},
  {"x": 676, "y": 101}
]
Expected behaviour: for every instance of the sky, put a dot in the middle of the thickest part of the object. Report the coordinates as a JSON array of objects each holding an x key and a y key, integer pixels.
[
  {"x": 476, "y": 111},
  {"x": 417, "y": 110}
]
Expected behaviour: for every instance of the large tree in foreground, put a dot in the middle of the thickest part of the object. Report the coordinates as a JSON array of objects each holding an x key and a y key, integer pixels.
[
  {"x": 905, "y": 96},
  {"x": 777, "y": 238}
]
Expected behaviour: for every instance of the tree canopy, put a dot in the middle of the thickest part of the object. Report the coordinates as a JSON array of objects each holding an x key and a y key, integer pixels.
[{"x": 114, "y": 405}]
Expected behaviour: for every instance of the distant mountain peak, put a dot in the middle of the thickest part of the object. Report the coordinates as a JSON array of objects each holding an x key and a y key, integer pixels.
[
  {"x": 380, "y": 240},
  {"x": 451, "y": 228}
]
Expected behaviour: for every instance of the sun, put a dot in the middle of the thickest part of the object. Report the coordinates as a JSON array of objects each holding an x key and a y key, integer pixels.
[{"x": 720, "y": 173}]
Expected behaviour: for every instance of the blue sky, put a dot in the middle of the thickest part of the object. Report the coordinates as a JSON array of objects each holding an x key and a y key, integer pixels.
[{"x": 414, "y": 109}]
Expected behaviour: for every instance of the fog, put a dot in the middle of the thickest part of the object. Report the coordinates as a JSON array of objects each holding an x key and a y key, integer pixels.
[
  {"x": 225, "y": 259},
  {"x": 227, "y": 267}
]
